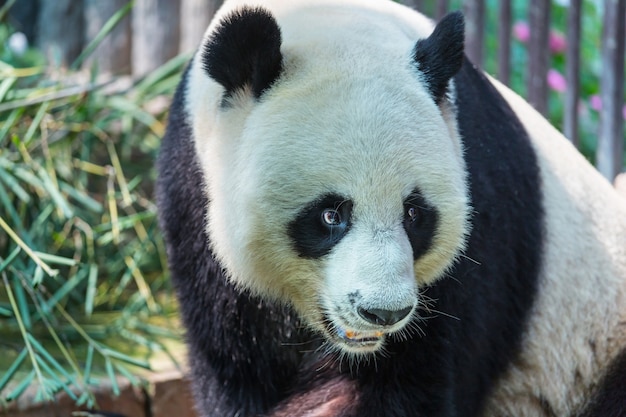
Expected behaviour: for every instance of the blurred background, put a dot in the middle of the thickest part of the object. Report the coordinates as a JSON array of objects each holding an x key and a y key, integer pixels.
[{"x": 85, "y": 301}]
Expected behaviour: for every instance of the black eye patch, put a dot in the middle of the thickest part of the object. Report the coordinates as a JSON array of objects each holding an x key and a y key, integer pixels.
[
  {"x": 321, "y": 225},
  {"x": 420, "y": 222}
]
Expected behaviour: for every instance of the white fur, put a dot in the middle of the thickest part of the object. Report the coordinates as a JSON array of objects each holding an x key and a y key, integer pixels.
[
  {"x": 582, "y": 298},
  {"x": 331, "y": 124}
]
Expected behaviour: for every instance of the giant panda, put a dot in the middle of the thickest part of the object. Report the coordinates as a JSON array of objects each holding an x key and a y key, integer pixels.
[{"x": 359, "y": 222}]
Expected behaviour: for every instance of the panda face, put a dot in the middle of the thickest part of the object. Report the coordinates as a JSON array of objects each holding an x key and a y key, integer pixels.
[{"x": 338, "y": 189}]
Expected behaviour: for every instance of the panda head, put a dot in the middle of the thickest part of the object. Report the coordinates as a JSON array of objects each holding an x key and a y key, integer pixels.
[{"x": 333, "y": 166}]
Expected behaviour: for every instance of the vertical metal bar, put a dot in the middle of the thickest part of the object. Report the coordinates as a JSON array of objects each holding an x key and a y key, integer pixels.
[
  {"x": 538, "y": 54},
  {"x": 504, "y": 42},
  {"x": 572, "y": 73},
  {"x": 474, "y": 30},
  {"x": 611, "y": 136},
  {"x": 113, "y": 52},
  {"x": 55, "y": 18},
  {"x": 442, "y": 8},
  {"x": 195, "y": 16},
  {"x": 415, "y": 4},
  {"x": 156, "y": 29}
]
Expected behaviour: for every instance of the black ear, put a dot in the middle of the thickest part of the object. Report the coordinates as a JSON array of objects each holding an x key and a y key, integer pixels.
[
  {"x": 244, "y": 51},
  {"x": 440, "y": 56}
]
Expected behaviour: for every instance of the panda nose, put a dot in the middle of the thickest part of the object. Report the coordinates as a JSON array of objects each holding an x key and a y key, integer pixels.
[{"x": 383, "y": 317}]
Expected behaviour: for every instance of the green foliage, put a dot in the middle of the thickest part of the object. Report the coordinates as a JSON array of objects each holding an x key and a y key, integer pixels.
[
  {"x": 590, "y": 70},
  {"x": 83, "y": 295}
]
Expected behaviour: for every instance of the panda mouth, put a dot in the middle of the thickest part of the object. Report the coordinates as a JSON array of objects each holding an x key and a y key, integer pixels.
[
  {"x": 368, "y": 340},
  {"x": 352, "y": 337}
]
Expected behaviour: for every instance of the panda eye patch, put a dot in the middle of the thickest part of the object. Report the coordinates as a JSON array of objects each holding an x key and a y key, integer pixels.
[
  {"x": 420, "y": 223},
  {"x": 319, "y": 226}
]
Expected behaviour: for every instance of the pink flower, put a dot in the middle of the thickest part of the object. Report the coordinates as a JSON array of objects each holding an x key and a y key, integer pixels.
[
  {"x": 595, "y": 102},
  {"x": 521, "y": 31},
  {"x": 556, "y": 81},
  {"x": 557, "y": 42}
]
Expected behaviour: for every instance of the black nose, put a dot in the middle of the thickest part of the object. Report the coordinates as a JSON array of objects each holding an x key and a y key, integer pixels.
[{"x": 384, "y": 317}]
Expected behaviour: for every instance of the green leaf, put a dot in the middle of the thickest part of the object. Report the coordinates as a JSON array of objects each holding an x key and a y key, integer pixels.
[
  {"x": 82, "y": 198},
  {"x": 90, "y": 294},
  {"x": 55, "y": 259},
  {"x": 111, "y": 373},
  {"x": 14, "y": 186},
  {"x": 64, "y": 290},
  {"x": 9, "y": 373},
  {"x": 10, "y": 258},
  {"x": 34, "y": 125},
  {"x": 88, "y": 363},
  {"x": 128, "y": 359},
  {"x": 21, "y": 387},
  {"x": 5, "y": 86},
  {"x": 106, "y": 29},
  {"x": 10, "y": 121},
  {"x": 54, "y": 193},
  {"x": 37, "y": 276}
]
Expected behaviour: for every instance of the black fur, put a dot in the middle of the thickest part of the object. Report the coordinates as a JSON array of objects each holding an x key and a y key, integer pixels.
[
  {"x": 244, "y": 51},
  {"x": 243, "y": 352},
  {"x": 421, "y": 230},
  {"x": 440, "y": 56},
  {"x": 312, "y": 238},
  {"x": 610, "y": 397}
]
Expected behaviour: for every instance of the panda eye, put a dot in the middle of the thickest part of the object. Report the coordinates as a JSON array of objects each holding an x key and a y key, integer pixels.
[
  {"x": 331, "y": 217},
  {"x": 412, "y": 213}
]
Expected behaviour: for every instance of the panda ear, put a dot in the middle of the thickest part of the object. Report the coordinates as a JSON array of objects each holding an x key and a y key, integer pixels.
[
  {"x": 244, "y": 51},
  {"x": 440, "y": 56}
]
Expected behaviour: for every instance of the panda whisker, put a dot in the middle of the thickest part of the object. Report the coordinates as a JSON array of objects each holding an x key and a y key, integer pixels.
[
  {"x": 461, "y": 255},
  {"x": 444, "y": 314}
]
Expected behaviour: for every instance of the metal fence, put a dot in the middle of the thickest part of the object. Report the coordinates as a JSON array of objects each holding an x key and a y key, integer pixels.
[{"x": 157, "y": 30}]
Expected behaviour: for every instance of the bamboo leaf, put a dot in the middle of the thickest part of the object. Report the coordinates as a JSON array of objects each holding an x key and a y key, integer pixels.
[
  {"x": 37, "y": 276},
  {"x": 126, "y": 106},
  {"x": 34, "y": 125},
  {"x": 82, "y": 198},
  {"x": 88, "y": 362},
  {"x": 54, "y": 193},
  {"x": 128, "y": 359},
  {"x": 10, "y": 259},
  {"x": 6, "y": 312},
  {"x": 55, "y": 259},
  {"x": 8, "y": 205},
  {"x": 14, "y": 186},
  {"x": 111, "y": 373},
  {"x": 173, "y": 66},
  {"x": 54, "y": 384},
  {"x": 20, "y": 305},
  {"x": 4, "y": 10},
  {"x": 106, "y": 29},
  {"x": 5, "y": 86},
  {"x": 9, "y": 373},
  {"x": 10, "y": 121},
  {"x": 21, "y": 387},
  {"x": 122, "y": 370},
  {"x": 64, "y": 290},
  {"x": 90, "y": 295}
]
